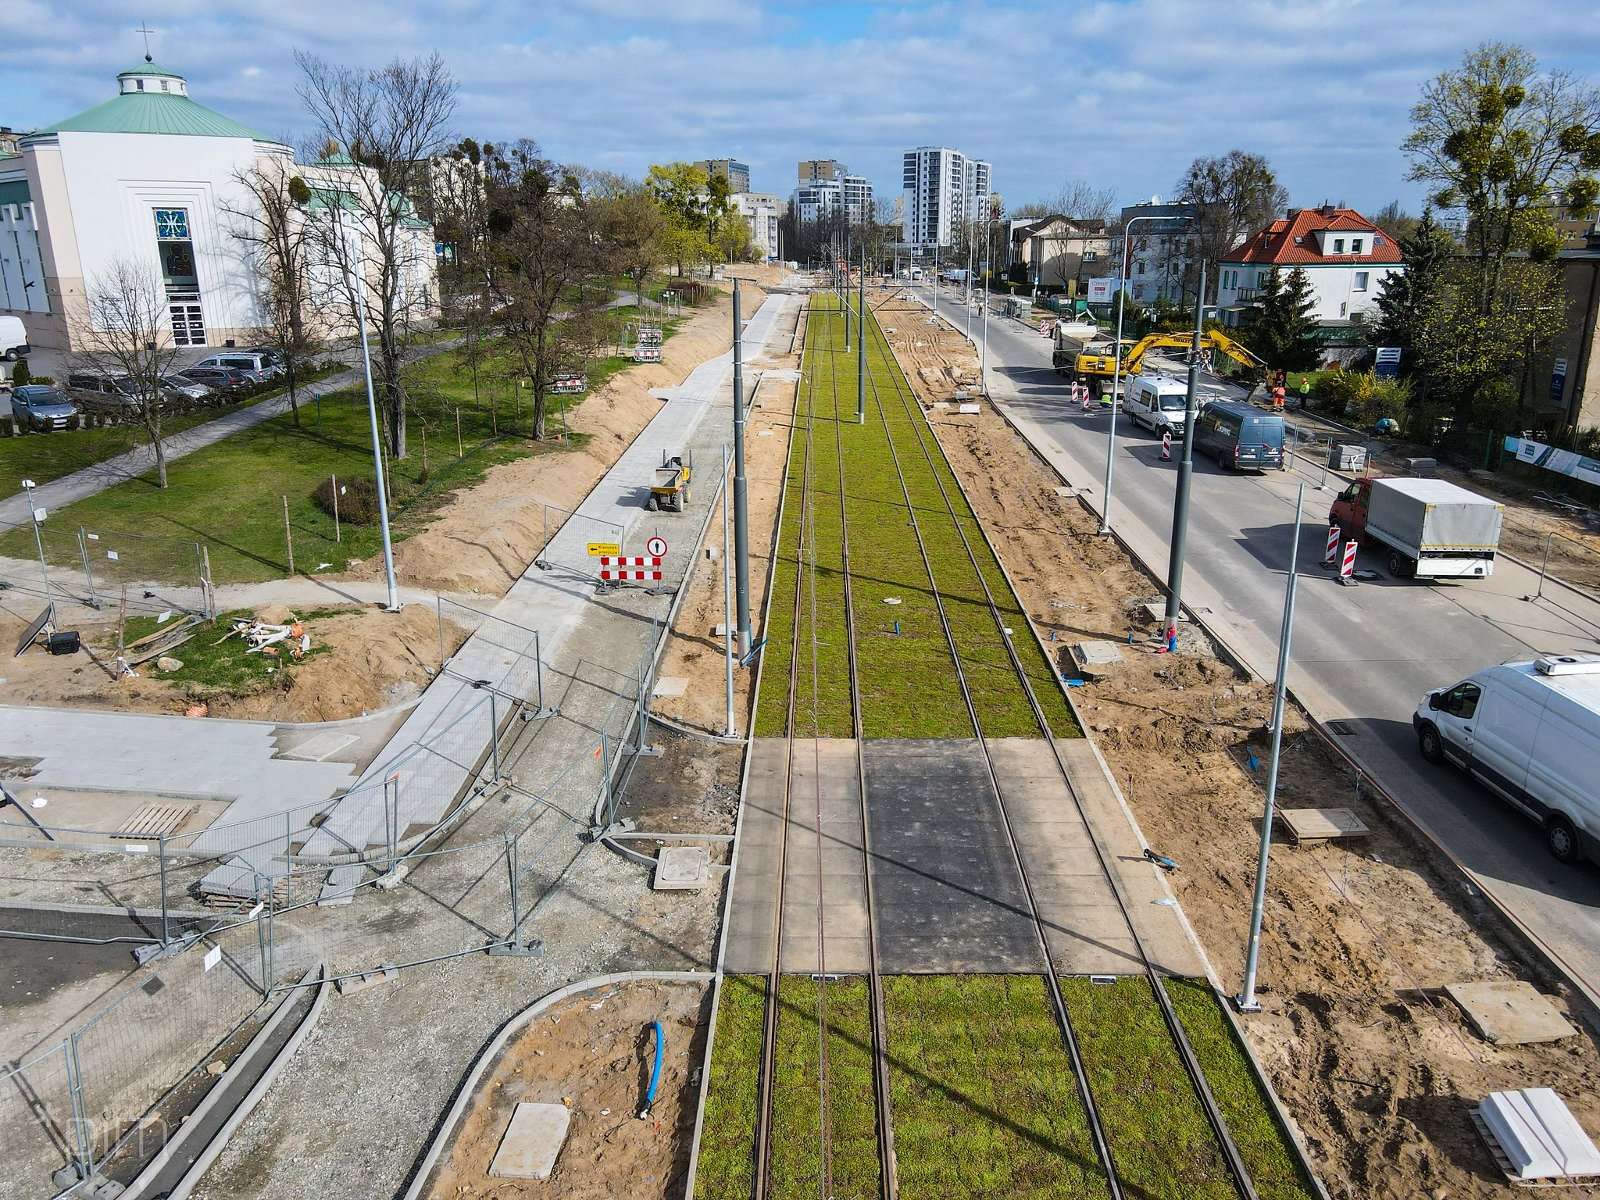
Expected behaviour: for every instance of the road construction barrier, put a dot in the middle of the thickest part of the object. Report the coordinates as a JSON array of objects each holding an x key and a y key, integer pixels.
[
  {"x": 630, "y": 566},
  {"x": 1332, "y": 554},
  {"x": 1347, "y": 566},
  {"x": 1166, "y": 445}
]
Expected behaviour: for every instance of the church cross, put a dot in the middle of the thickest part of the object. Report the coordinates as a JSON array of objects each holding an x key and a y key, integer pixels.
[{"x": 147, "y": 33}]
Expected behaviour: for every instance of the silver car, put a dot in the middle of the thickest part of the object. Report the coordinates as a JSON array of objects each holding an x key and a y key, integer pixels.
[{"x": 38, "y": 408}]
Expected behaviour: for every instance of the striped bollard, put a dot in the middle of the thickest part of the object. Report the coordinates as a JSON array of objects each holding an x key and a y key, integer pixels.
[
  {"x": 1166, "y": 445},
  {"x": 1347, "y": 567},
  {"x": 1331, "y": 558}
]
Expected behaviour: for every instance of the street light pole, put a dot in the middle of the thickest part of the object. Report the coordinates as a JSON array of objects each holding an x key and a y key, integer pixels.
[
  {"x": 358, "y": 307},
  {"x": 983, "y": 296},
  {"x": 38, "y": 540},
  {"x": 1180, "y": 505},
  {"x": 741, "y": 516},
  {"x": 1116, "y": 361},
  {"x": 1246, "y": 999}
]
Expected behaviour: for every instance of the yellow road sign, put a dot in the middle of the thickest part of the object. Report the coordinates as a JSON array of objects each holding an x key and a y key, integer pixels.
[{"x": 604, "y": 549}]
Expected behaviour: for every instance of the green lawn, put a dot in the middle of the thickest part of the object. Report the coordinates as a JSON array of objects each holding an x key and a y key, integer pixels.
[
  {"x": 230, "y": 495},
  {"x": 906, "y": 663},
  {"x": 984, "y": 1103},
  {"x": 1268, "y": 1154},
  {"x": 727, "y": 1163},
  {"x": 1162, "y": 1144}
]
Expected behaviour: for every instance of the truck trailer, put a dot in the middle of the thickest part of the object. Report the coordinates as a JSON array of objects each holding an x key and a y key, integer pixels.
[{"x": 1430, "y": 528}]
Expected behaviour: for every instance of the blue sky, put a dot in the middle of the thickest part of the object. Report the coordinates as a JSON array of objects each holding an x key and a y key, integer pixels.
[{"x": 1120, "y": 93}]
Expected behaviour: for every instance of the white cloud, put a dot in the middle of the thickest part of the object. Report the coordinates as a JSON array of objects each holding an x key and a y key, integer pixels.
[{"x": 1122, "y": 92}]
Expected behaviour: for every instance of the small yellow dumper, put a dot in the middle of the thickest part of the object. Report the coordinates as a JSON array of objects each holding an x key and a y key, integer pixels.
[{"x": 669, "y": 492}]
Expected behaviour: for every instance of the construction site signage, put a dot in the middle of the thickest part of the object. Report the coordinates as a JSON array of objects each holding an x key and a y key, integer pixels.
[
  {"x": 656, "y": 547},
  {"x": 633, "y": 566},
  {"x": 604, "y": 549}
]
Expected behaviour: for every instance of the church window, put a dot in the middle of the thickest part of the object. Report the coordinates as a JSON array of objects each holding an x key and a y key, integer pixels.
[{"x": 172, "y": 224}]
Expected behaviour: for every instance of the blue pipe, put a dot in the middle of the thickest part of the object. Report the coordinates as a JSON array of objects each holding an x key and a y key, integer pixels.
[{"x": 655, "y": 1072}]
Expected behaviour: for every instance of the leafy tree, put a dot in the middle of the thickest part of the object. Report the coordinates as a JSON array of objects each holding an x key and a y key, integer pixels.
[
  {"x": 1395, "y": 220},
  {"x": 457, "y": 202},
  {"x": 1406, "y": 298},
  {"x": 549, "y": 257},
  {"x": 1501, "y": 140},
  {"x": 1504, "y": 144},
  {"x": 1284, "y": 333},
  {"x": 1233, "y": 196},
  {"x": 636, "y": 227}
]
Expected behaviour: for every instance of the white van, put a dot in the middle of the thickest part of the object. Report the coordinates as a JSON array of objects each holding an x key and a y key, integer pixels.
[
  {"x": 1157, "y": 402},
  {"x": 13, "y": 339},
  {"x": 1530, "y": 731}
]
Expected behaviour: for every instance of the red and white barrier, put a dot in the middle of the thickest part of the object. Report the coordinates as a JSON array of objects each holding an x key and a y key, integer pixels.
[
  {"x": 1347, "y": 565},
  {"x": 630, "y": 566},
  {"x": 1331, "y": 556},
  {"x": 1166, "y": 445}
]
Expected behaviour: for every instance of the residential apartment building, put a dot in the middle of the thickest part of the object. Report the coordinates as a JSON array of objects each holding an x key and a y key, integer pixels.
[
  {"x": 1345, "y": 256},
  {"x": 1059, "y": 252},
  {"x": 737, "y": 173},
  {"x": 825, "y": 185},
  {"x": 763, "y": 213},
  {"x": 944, "y": 190},
  {"x": 1162, "y": 249}
]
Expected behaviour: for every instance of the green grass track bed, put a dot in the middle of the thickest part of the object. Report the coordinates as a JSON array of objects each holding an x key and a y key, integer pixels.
[{"x": 728, "y": 1142}]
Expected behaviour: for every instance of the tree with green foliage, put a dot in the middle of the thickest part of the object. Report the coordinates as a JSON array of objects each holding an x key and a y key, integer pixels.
[
  {"x": 1284, "y": 332},
  {"x": 1504, "y": 145},
  {"x": 1405, "y": 298}
]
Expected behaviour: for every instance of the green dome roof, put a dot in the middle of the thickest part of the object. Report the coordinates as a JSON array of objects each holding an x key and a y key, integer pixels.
[{"x": 140, "y": 109}]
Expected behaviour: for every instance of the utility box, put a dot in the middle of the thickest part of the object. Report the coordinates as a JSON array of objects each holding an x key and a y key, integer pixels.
[{"x": 1347, "y": 458}]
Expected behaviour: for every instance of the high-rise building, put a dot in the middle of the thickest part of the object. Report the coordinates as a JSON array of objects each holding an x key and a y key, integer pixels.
[
  {"x": 944, "y": 189},
  {"x": 738, "y": 173},
  {"x": 826, "y": 185}
]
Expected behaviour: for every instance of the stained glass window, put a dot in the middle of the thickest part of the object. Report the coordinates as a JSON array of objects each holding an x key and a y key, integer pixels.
[{"x": 172, "y": 224}]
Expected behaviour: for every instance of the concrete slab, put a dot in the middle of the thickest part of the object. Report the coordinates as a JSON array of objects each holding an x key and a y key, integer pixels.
[
  {"x": 670, "y": 686},
  {"x": 753, "y": 908},
  {"x": 1322, "y": 824},
  {"x": 532, "y": 1141},
  {"x": 1093, "y": 658},
  {"x": 947, "y": 893},
  {"x": 681, "y": 869},
  {"x": 1510, "y": 1012}
]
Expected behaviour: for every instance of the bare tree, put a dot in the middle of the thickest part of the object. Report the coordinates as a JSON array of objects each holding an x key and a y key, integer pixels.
[
  {"x": 275, "y": 235},
  {"x": 457, "y": 202},
  {"x": 548, "y": 246},
  {"x": 126, "y": 337},
  {"x": 1075, "y": 199},
  {"x": 389, "y": 123},
  {"x": 1233, "y": 196}
]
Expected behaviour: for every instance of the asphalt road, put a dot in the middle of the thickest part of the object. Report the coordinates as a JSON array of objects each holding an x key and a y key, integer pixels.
[{"x": 1363, "y": 656}]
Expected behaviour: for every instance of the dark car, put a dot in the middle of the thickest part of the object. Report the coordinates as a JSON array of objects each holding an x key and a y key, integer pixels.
[
  {"x": 38, "y": 407},
  {"x": 220, "y": 379},
  {"x": 95, "y": 392}
]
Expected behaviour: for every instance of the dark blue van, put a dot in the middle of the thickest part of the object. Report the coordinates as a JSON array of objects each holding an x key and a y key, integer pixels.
[{"x": 1240, "y": 436}]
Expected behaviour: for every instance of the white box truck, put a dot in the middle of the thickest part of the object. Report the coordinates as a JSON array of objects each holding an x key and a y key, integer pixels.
[
  {"x": 1530, "y": 732},
  {"x": 1431, "y": 528}
]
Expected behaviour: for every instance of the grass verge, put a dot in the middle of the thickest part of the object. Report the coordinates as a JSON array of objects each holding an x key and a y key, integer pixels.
[
  {"x": 1268, "y": 1154},
  {"x": 1160, "y": 1139},
  {"x": 727, "y": 1163},
  {"x": 984, "y": 1103}
]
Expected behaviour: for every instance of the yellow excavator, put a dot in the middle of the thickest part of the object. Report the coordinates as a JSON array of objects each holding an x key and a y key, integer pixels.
[{"x": 1096, "y": 364}]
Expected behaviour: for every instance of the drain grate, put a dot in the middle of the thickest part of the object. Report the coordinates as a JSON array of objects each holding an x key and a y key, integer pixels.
[{"x": 1342, "y": 728}]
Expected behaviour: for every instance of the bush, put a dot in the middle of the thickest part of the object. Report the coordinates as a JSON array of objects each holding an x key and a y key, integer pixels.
[
  {"x": 358, "y": 500},
  {"x": 20, "y": 373},
  {"x": 1361, "y": 396}
]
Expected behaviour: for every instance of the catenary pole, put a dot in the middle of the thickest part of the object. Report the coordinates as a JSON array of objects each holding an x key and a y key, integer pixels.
[
  {"x": 1180, "y": 504},
  {"x": 1246, "y": 999},
  {"x": 741, "y": 516},
  {"x": 727, "y": 589},
  {"x": 861, "y": 345}
]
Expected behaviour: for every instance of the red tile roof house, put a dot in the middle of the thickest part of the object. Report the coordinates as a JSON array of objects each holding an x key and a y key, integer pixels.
[{"x": 1345, "y": 255}]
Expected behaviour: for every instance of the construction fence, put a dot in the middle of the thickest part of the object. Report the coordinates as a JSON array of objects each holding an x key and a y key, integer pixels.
[{"x": 107, "y": 568}]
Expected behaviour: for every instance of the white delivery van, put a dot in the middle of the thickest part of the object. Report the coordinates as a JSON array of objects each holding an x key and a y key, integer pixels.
[
  {"x": 13, "y": 339},
  {"x": 1157, "y": 402},
  {"x": 1530, "y": 732}
]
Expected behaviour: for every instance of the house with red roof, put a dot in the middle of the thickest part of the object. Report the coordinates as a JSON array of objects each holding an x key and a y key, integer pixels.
[{"x": 1346, "y": 257}]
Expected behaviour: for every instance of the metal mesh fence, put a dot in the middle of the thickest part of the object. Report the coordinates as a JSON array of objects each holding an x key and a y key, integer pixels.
[
  {"x": 38, "y": 1133},
  {"x": 509, "y": 652}
]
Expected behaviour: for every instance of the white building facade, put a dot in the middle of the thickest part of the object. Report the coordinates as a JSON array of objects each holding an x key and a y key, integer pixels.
[
  {"x": 154, "y": 180},
  {"x": 762, "y": 212},
  {"x": 1345, "y": 256},
  {"x": 826, "y": 186},
  {"x": 944, "y": 190}
]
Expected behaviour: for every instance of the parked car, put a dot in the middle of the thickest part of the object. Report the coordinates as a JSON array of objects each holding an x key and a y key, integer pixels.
[
  {"x": 13, "y": 339},
  {"x": 103, "y": 393},
  {"x": 189, "y": 389},
  {"x": 257, "y": 366},
  {"x": 218, "y": 379},
  {"x": 1530, "y": 732},
  {"x": 272, "y": 354},
  {"x": 1240, "y": 436},
  {"x": 38, "y": 407}
]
